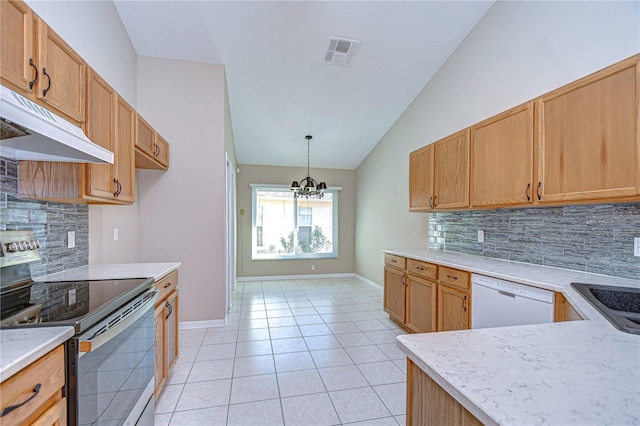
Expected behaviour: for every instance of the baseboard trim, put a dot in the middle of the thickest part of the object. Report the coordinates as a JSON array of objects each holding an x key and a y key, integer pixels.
[
  {"x": 369, "y": 282},
  {"x": 297, "y": 277},
  {"x": 187, "y": 325}
]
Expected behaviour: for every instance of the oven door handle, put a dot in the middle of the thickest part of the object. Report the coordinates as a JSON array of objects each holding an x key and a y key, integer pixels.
[{"x": 89, "y": 342}]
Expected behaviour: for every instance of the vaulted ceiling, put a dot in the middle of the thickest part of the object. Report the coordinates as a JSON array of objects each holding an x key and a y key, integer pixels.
[{"x": 281, "y": 89}]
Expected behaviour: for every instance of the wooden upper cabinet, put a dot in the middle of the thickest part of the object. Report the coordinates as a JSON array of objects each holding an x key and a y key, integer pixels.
[
  {"x": 144, "y": 136},
  {"x": 125, "y": 139},
  {"x": 101, "y": 129},
  {"x": 421, "y": 179},
  {"x": 17, "y": 45},
  {"x": 162, "y": 150},
  {"x": 152, "y": 150},
  {"x": 62, "y": 74},
  {"x": 587, "y": 135},
  {"x": 452, "y": 171},
  {"x": 502, "y": 159}
]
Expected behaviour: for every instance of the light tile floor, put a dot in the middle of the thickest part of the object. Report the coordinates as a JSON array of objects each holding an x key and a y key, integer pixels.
[{"x": 295, "y": 352}]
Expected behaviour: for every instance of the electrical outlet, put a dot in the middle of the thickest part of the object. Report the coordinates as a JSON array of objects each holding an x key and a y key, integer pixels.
[
  {"x": 115, "y": 234},
  {"x": 71, "y": 297},
  {"x": 481, "y": 236},
  {"x": 636, "y": 246},
  {"x": 313, "y": 267},
  {"x": 71, "y": 239}
]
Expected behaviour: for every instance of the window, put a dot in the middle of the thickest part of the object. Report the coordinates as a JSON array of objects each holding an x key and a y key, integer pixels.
[{"x": 289, "y": 228}]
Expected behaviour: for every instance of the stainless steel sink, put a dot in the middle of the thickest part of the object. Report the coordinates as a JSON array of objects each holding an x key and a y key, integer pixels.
[{"x": 619, "y": 305}]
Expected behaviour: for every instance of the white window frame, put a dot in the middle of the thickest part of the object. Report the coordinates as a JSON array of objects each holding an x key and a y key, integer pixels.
[{"x": 275, "y": 256}]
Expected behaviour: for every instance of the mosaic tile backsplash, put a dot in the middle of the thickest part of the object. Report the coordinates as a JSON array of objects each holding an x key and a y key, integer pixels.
[
  {"x": 590, "y": 238},
  {"x": 49, "y": 222}
]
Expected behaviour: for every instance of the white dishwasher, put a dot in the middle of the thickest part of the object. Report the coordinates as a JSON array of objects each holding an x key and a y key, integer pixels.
[{"x": 500, "y": 303}]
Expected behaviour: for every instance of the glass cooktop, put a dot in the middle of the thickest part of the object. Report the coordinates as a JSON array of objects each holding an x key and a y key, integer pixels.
[{"x": 77, "y": 303}]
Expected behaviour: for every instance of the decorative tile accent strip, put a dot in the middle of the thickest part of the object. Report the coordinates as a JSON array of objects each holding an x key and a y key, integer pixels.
[
  {"x": 590, "y": 238},
  {"x": 49, "y": 222}
]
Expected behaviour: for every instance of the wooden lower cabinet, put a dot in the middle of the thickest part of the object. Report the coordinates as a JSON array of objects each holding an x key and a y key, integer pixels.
[
  {"x": 166, "y": 329},
  {"x": 41, "y": 385},
  {"x": 454, "y": 311},
  {"x": 429, "y": 404},
  {"x": 421, "y": 305},
  {"x": 394, "y": 294}
]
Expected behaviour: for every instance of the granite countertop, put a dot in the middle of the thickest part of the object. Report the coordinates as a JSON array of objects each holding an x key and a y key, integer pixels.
[
  {"x": 20, "y": 347},
  {"x": 577, "y": 372},
  {"x": 113, "y": 271}
]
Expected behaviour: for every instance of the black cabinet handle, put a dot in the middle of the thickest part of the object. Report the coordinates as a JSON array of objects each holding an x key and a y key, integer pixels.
[
  {"x": 167, "y": 285},
  {"x": 434, "y": 202},
  {"x": 464, "y": 303},
  {"x": 452, "y": 277},
  {"x": 168, "y": 306},
  {"x": 36, "y": 391},
  {"x": 45, "y": 91},
  {"x": 526, "y": 192},
  {"x": 118, "y": 187},
  {"x": 32, "y": 83},
  {"x": 538, "y": 191},
  {"x": 430, "y": 202}
]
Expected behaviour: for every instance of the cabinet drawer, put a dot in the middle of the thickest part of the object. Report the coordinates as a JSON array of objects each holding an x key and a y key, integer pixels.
[
  {"x": 394, "y": 261},
  {"x": 422, "y": 269},
  {"x": 453, "y": 277},
  {"x": 166, "y": 285},
  {"x": 48, "y": 373}
]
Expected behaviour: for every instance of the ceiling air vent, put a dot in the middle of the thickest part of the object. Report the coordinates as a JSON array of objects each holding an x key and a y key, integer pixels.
[{"x": 341, "y": 51}]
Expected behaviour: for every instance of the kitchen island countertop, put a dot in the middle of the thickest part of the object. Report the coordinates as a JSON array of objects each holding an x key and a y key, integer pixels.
[{"x": 577, "y": 372}]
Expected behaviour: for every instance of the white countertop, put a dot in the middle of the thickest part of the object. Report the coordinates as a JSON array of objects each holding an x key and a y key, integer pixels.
[
  {"x": 21, "y": 347},
  {"x": 578, "y": 372},
  {"x": 113, "y": 271}
]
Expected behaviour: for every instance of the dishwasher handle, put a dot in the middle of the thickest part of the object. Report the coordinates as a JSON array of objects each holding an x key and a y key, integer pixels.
[{"x": 504, "y": 293}]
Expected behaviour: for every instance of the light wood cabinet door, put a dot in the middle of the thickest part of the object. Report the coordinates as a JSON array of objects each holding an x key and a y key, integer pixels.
[
  {"x": 394, "y": 294},
  {"x": 101, "y": 129},
  {"x": 421, "y": 179},
  {"x": 453, "y": 309},
  {"x": 161, "y": 151},
  {"x": 422, "y": 299},
  {"x": 16, "y": 45},
  {"x": 587, "y": 134},
  {"x": 171, "y": 332},
  {"x": 159, "y": 362},
  {"x": 502, "y": 159},
  {"x": 451, "y": 171},
  {"x": 125, "y": 162},
  {"x": 63, "y": 73},
  {"x": 145, "y": 136}
]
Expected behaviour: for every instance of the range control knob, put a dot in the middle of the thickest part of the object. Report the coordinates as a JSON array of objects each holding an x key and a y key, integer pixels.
[
  {"x": 12, "y": 247},
  {"x": 23, "y": 245},
  {"x": 36, "y": 243}
]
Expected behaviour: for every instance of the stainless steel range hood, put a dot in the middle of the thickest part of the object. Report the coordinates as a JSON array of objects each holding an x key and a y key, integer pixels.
[{"x": 30, "y": 132}]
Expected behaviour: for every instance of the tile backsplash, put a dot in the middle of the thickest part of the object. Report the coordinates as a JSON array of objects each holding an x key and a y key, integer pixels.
[
  {"x": 49, "y": 222},
  {"x": 591, "y": 238}
]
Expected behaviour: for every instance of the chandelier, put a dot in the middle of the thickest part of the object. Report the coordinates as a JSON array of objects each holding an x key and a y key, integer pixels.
[{"x": 308, "y": 187}]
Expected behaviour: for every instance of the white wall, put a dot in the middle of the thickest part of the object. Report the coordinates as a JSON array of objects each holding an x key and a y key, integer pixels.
[
  {"x": 182, "y": 211},
  {"x": 95, "y": 31},
  {"x": 519, "y": 50}
]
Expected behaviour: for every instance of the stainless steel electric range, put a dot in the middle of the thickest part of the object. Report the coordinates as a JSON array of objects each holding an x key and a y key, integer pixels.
[{"x": 110, "y": 359}]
